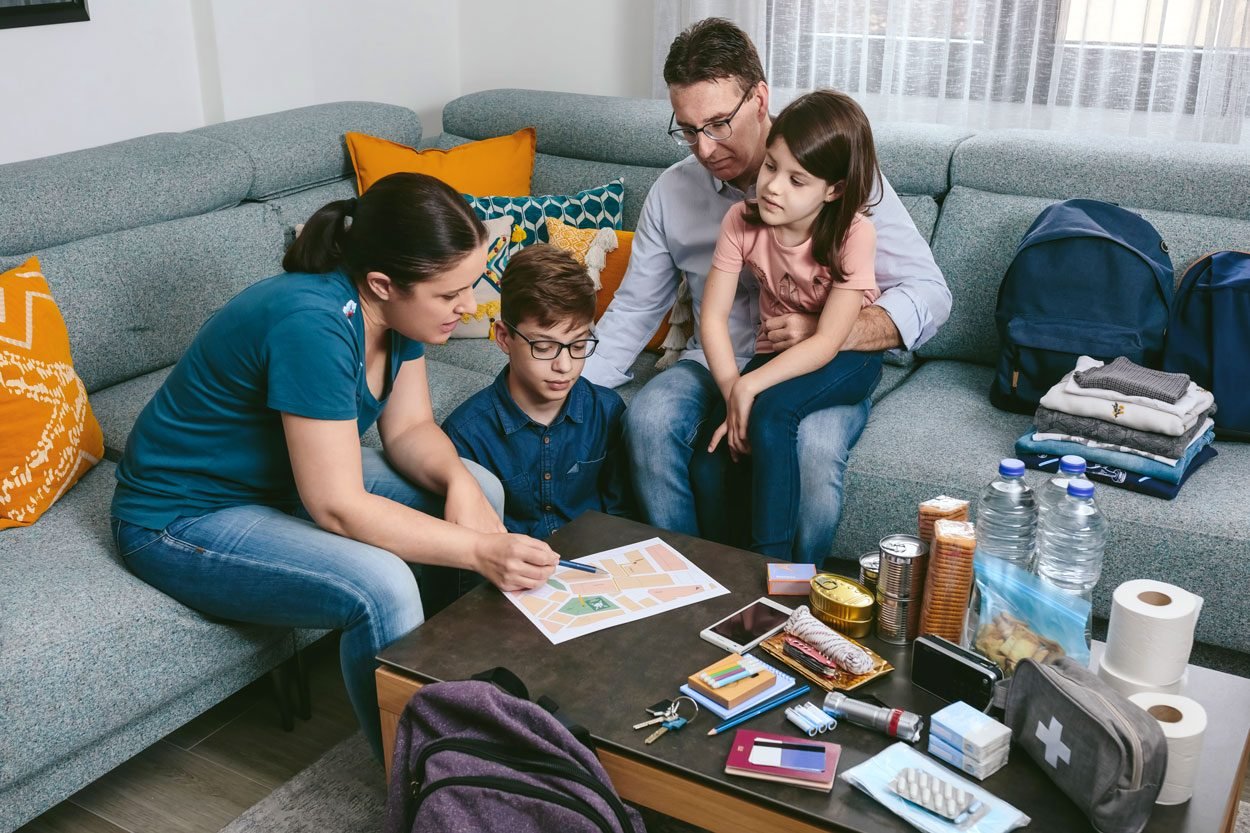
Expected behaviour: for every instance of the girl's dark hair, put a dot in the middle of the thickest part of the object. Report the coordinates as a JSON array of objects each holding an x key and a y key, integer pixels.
[
  {"x": 712, "y": 49},
  {"x": 831, "y": 138},
  {"x": 409, "y": 227}
]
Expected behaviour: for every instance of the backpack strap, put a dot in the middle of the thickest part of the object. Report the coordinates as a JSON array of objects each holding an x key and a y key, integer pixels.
[
  {"x": 577, "y": 730},
  {"x": 505, "y": 679}
]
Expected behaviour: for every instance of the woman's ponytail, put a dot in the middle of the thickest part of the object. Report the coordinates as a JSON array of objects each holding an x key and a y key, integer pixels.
[
  {"x": 318, "y": 247},
  {"x": 410, "y": 227}
]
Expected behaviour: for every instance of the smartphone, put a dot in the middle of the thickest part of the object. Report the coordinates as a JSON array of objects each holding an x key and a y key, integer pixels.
[
  {"x": 743, "y": 629},
  {"x": 777, "y": 753}
]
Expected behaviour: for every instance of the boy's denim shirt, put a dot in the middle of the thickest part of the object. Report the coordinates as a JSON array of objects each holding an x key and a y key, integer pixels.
[{"x": 550, "y": 473}]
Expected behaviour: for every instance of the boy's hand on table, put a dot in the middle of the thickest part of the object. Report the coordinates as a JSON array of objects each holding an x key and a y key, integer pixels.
[{"x": 515, "y": 562}]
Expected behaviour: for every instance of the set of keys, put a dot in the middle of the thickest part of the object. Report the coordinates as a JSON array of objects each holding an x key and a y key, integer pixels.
[{"x": 667, "y": 715}]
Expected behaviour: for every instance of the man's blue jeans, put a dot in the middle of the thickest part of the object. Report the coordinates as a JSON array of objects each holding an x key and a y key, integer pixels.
[
  {"x": 663, "y": 422},
  {"x": 260, "y": 565}
]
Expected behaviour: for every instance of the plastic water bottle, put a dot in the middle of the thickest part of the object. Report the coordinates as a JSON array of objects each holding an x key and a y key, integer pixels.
[
  {"x": 1071, "y": 467},
  {"x": 1006, "y": 525},
  {"x": 1071, "y": 541}
]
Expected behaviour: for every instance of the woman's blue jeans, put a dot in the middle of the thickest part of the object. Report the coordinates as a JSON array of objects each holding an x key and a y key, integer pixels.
[
  {"x": 772, "y": 470},
  {"x": 260, "y": 565}
]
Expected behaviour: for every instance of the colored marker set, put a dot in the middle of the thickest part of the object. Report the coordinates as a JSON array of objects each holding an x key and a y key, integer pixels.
[
  {"x": 724, "y": 676},
  {"x": 811, "y": 718}
]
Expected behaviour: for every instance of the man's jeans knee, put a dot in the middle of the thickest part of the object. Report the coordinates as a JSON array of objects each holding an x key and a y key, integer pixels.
[{"x": 825, "y": 441}]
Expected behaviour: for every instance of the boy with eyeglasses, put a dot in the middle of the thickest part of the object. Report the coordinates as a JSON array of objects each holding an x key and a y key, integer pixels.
[{"x": 552, "y": 438}]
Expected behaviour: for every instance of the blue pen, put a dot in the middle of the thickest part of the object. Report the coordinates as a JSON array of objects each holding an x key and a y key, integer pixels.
[
  {"x": 585, "y": 568},
  {"x": 767, "y": 705}
]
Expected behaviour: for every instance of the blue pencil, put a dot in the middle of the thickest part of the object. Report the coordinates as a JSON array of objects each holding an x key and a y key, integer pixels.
[
  {"x": 784, "y": 697},
  {"x": 585, "y": 568}
]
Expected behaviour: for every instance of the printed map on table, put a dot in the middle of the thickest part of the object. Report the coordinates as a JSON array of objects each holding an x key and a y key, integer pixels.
[{"x": 641, "y": 580}]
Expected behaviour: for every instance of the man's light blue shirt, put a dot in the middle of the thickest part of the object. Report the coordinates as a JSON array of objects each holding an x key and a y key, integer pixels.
[{"x": 676, "y": 235}]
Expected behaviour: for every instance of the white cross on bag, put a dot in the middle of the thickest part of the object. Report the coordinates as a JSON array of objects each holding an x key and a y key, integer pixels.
[{"x": 1056, "y": 749}]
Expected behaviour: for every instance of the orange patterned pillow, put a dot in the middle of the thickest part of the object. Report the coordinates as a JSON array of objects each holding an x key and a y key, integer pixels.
[{"x": 50, "y": 437}]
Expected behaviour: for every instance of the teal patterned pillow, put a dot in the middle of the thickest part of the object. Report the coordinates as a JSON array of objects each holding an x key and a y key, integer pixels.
[{"x": 600, "y": 207}]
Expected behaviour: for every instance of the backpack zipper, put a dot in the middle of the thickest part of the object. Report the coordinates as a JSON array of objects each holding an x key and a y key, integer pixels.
[
  {"x": 536, "y": 762},
  {"x": 509, "y": 785},
  {"x": 1133, "y": 738}
]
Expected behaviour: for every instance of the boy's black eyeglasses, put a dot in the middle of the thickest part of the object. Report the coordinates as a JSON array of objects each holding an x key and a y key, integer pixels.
[
  {"x": 545, "y": 350},
  {"x": 717, "y": 131}
]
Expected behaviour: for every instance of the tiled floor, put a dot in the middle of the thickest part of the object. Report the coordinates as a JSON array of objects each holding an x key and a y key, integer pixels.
[{"x": 204, "y": 775}]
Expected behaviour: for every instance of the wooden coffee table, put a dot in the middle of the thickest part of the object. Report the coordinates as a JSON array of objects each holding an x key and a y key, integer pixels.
[{"x": 605, "y": 679}]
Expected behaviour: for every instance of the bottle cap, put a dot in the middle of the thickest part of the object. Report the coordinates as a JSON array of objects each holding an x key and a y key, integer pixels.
[
  {"x": 1010, "y": 467},
  {"x": 1072, "y": 464},
  {"x": 1080, "y": 488}
]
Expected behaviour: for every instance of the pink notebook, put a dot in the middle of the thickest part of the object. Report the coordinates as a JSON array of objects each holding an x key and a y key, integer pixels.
[{"x": 800, "y": 761}]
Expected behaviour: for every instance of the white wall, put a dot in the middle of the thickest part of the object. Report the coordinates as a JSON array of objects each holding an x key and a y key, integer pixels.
[
  {"x": 129, "y": 71},
  {"x": 145, "y": 66},
  {"x": 601, "y": 47},
  {"x": 278, "y": 54}
]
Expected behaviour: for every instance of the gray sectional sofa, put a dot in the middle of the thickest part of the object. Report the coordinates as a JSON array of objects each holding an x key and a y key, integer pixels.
[{"x": 142, "y": 240}]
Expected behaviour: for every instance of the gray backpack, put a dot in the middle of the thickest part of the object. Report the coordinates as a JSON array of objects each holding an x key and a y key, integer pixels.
[
  {"x": 1105, "y": 753},
  {"x": 470, "y": 755}
]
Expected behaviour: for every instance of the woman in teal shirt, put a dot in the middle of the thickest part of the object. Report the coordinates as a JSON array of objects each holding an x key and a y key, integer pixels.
[{"x": 244, "y": 491}]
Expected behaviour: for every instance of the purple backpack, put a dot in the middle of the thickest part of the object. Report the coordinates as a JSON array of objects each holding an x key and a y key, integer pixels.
[{"x": 470, "y": 755}]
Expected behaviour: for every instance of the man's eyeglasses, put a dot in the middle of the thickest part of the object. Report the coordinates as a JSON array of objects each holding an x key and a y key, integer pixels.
[
  {"x": 717, "y": 131},
  {"x": 545, "y": 350}
]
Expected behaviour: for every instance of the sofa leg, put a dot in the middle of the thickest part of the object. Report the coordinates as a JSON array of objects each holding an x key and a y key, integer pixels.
[
  {"x": 303, "y": 696},
  {"x": 278, "y": 682}
]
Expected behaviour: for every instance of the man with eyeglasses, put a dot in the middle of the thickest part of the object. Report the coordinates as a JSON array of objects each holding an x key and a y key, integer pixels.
[
  {"x": 720, "y": 111},
  {"x": 554, "y": 440}
]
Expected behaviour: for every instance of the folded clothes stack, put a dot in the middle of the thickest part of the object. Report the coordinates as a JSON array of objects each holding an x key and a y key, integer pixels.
[{"x": 1142, "y": 429}]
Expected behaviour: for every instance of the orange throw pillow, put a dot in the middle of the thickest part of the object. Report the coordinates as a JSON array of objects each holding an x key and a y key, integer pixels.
[
  {"x": 502, "y": 166},
  {"x": 611, "y": 277},
  {"x": 50, "y": 437}
]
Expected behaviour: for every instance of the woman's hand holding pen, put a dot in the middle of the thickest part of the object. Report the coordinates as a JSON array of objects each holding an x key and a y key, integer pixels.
[{"x": 515, "y": 562}]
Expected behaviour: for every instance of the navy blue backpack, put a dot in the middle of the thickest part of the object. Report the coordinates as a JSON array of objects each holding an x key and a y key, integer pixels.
[
  {"x": 1088, "y": 279},
  {"x": 1209, "y": 337}
]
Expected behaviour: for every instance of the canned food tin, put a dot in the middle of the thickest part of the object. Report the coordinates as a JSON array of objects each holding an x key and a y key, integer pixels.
[
  {"x": 870, "y": 569},
  {"x": 898, "y": 620},
  {"x": 904, "y": 559},
  {"x": 843, "y": 604}
]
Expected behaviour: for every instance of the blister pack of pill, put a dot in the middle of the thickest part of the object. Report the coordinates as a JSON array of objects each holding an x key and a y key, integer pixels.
[{"x": 939, "y": 796}]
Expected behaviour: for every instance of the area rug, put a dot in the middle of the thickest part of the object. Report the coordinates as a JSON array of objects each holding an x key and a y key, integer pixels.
[{"x": 343, "y": 792}]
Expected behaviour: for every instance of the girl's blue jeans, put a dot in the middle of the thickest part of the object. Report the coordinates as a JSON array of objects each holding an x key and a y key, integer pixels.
[
  {"x": 771, "y": 474},
  {"x": 260, "y": 565}
]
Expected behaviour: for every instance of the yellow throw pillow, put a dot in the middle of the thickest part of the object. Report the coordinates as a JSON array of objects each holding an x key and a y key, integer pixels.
[
  {"x": 502, "y": 166},
  {"x": 50, "y": 437},
  {"x": 579, "y": 243}
]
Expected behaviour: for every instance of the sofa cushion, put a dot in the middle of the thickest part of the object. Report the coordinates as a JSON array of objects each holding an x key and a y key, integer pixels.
[
  {"x": 51, "y": 437},
  {"x": 295, "y": 149},
  {"x": 937, "y": 433},
  {"x": 1186, "y": 177},
  {"x": 295, "y": 209},
  {"x": 54, "y": 200},
  {"x": 502, "y": 165},
  {"x": 118, "y": 406},
  {"x": 128, "y": 312},
  {"x": 88, "y": 648},
  {"x": 976, "y": 238}
]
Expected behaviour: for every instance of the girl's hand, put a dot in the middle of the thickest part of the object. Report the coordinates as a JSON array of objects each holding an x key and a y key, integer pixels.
[
  {"x": 741, "y": 398},
  {"x": 467, "y": 506},
  {"x": 785, "y": 331},
  {"x": 515, "y": 562}
]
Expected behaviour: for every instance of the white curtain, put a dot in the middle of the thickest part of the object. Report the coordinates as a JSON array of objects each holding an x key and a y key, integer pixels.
[{"x": 1164, "y": 68}]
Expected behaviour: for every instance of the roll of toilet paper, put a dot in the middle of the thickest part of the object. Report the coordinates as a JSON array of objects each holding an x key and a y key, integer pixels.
[
  {"x": 1184, "y": 723},
  {"x": 1128, "y": 686},
  {"x": 1151, "y": 631}
]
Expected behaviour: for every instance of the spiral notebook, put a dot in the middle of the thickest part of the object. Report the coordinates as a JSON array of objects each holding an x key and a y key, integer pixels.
[{"x": 783, "y": 682}]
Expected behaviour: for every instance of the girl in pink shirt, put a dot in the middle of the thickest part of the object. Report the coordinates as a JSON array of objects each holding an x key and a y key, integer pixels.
[{"x": 809, "y": 244}]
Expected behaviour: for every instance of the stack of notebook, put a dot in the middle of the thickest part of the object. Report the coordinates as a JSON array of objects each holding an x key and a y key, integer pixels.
[{"x": 734, "y": 698}]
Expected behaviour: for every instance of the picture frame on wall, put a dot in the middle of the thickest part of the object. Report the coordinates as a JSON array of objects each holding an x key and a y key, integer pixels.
[{"x": 17, "y": 13}]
